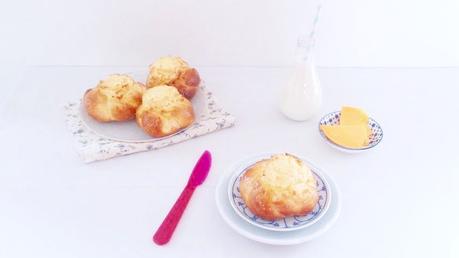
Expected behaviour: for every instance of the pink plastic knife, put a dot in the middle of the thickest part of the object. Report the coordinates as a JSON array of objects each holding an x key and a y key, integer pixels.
[{"x": 199, "y": 174}]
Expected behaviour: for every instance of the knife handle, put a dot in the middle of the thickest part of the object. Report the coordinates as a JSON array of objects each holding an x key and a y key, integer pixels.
[{"x": 166, "y": 229}]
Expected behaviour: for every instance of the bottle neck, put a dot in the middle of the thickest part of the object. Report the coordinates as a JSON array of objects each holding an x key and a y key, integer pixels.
[
  {"x": 303, "y": 57},
  {"x": 303, "y": 51}
]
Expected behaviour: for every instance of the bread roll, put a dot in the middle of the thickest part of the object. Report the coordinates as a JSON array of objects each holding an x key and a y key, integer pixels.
[
  {"x": 164, "y": 111},
  {"x": 187, "y": 83},
  {"x": 174, "y": 71},
  {"x": 115, "y": 98},
  {"x": 279, "y": 187},
  {"x": 166, "y": 70}
]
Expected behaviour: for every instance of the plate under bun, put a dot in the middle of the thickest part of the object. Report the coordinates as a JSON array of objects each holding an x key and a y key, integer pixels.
[
  {"x": 290, "y": 223},
  {"x": 271, "y": 237}
]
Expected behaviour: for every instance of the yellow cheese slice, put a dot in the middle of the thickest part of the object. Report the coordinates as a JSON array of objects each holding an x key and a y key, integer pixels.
[
  {"x": 354, "y": 116},
  {"x": 351, "y": 136}
]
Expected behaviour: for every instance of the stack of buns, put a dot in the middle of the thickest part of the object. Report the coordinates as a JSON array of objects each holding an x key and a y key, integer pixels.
[
  {"x": 161, "y": 107},
  {"x": 279, "y": 187}
]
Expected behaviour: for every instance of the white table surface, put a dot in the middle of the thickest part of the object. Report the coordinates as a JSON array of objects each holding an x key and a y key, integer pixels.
[{"x": 399, "y": 200}]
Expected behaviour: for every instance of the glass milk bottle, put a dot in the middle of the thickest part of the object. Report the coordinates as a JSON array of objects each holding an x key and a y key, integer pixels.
[{"x": 301, "y": 97}]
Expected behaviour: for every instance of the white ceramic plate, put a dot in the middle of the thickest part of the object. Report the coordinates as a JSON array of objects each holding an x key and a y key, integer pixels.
[
  {"x": 129, "y": 131},
  {"x": 255, "y": 233},
  {"x": 288, "y": 223}
]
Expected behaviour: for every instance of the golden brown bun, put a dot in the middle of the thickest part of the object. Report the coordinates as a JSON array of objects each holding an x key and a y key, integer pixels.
[
  {"x": 279, "y": 187},
  {"x": 114, "y": 99},
  {"x": 166, "y": 70},
  {"x": 187, "y": 82},
  {"x": 174, "y": 71},
  {"x": 164, "y": 111}
]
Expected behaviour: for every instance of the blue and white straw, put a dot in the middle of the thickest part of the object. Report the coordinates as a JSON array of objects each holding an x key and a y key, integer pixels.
[
  {"x": 312, "y": 34},
  {"x": 309, "y": 41}
]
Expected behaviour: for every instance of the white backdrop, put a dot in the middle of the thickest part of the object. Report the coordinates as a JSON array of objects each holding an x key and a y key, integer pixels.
[
  {"x": 225, "y": 32},
  {"x": 368, "y": 33}
]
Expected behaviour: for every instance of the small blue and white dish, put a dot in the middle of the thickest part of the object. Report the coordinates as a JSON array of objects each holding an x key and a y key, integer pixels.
[
  {"x": 288, "y": 223},
  {"x": 334, "y": 119}
]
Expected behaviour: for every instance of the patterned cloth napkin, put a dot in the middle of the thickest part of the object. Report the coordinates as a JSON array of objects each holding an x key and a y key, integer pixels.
[{"x": 92, "y": 147}]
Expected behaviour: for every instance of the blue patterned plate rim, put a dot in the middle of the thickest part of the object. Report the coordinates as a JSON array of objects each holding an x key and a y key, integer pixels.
[
  {"x": 241, "y": 167},
  {"x": 370, "y": 121}
]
